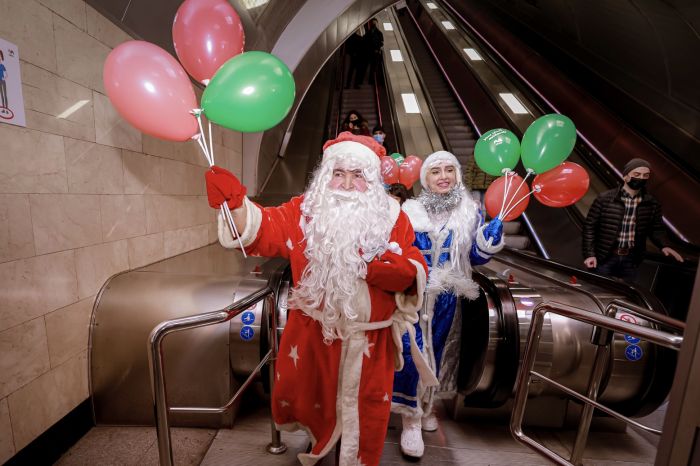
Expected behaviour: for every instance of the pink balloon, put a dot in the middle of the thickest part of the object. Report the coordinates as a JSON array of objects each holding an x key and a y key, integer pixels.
[
  {"x": 150, "y": 90},
  {"x": 206, "y": 33},
  {"x": 409, "y": 170},
  {"x": 389, "y": 170}
]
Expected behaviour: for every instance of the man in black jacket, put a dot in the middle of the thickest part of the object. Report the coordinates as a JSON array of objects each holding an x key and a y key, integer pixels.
[{"x": 619, "y": 223}]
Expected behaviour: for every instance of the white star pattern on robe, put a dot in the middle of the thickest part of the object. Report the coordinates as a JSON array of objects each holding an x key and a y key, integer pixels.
[
  {"x": 386, "y": 397},
  {"x": 278, "y": 375},
  {"x": 368, "y": 345},
  {"x": 359, "y": 462},
  {"x": 294, "y": 354},
  {"x": 284, "y": 403},
  {"x": 317, "y": 406}
]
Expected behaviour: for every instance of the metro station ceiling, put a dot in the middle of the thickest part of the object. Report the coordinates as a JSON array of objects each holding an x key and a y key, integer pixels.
[{"x": 643, "y": 50}]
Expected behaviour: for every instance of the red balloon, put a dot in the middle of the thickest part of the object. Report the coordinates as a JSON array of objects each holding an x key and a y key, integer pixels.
[
  {"x": 409, "y": 171},
  {"x": 150, "y": 90},
  {"x": 493, "y": 199},
  {"x": 389, "y": 170},
  {"x": 206, "y": 33},
  {"x": 561, "y": 186}
]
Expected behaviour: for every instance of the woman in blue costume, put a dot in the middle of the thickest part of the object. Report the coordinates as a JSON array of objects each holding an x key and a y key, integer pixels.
[{"x": 451, "y": 235}]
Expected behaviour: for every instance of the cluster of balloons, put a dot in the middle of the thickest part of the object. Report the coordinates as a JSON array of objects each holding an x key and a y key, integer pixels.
[
  {"x": 246, "y": 91},
  {"x": 547, "y": 142},
  {"x": 396, "y": 168}
]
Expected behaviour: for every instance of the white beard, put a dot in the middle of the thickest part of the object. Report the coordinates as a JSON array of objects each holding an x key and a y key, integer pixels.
[{"x": 340, "y": 223}]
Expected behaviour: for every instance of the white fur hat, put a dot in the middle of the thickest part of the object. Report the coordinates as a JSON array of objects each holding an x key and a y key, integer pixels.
[
  {"x": 352, "y": 153},
  {"x": 436, "y": 158}
]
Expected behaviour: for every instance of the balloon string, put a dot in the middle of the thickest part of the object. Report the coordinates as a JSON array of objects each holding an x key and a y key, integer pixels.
[
  {"x": 516, "y": 204},
  {"x": 506, "y": 187},
  {"x": 225, "y": 211},
  {"x": 211, "y": 145},
  {"x": 508, "y": 206}
]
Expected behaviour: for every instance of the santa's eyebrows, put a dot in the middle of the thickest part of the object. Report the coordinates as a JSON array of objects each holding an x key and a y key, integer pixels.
[{"x": 356, "y": 171}]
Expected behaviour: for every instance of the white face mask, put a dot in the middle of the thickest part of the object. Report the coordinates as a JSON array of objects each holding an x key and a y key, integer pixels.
[{"x": 379, "y": 138}]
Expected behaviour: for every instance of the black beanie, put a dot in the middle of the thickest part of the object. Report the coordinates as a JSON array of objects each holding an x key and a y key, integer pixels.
[{"x": 635, "y": 163}]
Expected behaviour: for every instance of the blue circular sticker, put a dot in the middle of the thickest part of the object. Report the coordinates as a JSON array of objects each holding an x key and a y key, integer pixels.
[
  {"x": 631, "y": 340},
  {"x": 247, "y": 333},
  {"x": 633, "y": 353},
  {"x": 248, "y": 318}
]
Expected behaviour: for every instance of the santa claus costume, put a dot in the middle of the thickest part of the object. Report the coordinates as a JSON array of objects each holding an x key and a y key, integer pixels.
[
  {"x": 451, "y": 236},
  {"x": 359, "y": 284}
]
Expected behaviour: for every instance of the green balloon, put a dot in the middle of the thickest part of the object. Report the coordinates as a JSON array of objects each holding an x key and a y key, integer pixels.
[
  {"x": 251, "y": 92},
  {"x": 398, "y": 157},
  {"x": 496, "y": 150},
  {"x": 548, "y": 142}
]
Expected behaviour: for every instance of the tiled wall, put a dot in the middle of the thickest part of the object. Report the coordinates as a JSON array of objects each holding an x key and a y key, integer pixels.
[{"x": 81, "y": 198}]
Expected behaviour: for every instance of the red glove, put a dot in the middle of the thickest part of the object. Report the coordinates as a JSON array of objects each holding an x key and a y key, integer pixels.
[
  {"x": 222, "y": 185},
  {"x": 391, "y": 272}
]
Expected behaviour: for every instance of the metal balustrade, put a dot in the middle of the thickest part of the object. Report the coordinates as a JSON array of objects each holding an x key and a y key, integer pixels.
[
  {"x": 604, "y": 326},
  {"x": 156, "y": 362}
]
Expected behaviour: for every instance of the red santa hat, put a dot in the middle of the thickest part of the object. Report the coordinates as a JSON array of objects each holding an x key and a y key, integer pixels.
[{"x": 352, "y": 146}]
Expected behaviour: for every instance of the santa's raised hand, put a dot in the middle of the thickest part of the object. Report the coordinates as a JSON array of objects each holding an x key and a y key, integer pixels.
[{"x": 223, "y": 186}]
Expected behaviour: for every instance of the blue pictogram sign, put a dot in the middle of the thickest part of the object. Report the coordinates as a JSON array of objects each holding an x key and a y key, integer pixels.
[
  {"x": 248, "y": 318},
  {"x": 631, "y": 340},
  {"x": 633, "y": 353},
  {"x": 247, "y": 333}
]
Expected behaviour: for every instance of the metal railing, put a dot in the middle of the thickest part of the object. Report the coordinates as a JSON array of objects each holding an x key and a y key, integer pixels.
[
  {"x": 156, "y": 362},
  {"x": 604, "y": 326}
]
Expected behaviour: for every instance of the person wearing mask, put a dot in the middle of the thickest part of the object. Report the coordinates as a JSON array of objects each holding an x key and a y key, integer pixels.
[
  {"x": 355, "y": 124},
  {"x": 451, "y": 236},
  {"x": 358, "y": 284},
  {"x": 380, "y": 136},
  {"x": 619, "y": 223}
]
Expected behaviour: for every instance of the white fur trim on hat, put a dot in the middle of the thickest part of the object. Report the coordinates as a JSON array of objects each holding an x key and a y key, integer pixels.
[
  {"x": 349, "y": 150},
  {"x": 437, "y": 158}
]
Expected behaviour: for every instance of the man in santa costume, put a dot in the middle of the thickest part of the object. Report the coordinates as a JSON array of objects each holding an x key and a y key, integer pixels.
[
  {"x": 359, "y": 283},
  {"x": 450, "y": 234}
]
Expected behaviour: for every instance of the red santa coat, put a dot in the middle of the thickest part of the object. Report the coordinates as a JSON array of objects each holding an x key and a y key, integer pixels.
[{"x": 343, "y": 389}]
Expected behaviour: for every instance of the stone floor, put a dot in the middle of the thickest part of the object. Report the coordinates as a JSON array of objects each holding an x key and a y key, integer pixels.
[{"x": 455, "y": 443}]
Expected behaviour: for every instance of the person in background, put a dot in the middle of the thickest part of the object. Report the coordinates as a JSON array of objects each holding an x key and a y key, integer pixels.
[
  {"x": 451, "y": 236},
  {"x": 399, "y": 192},
  {"x": 355, "y": 124},
  {"x": 380, "y": 136},
  {"x": 619, "y": 223},
  {"x": 374, "y": 41},
  {"x": 359, "y": 283},
  {"x": 354, "y": 49}
]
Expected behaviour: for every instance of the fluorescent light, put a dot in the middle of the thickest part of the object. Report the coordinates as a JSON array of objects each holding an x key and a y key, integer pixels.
[
  {"x": 73, "y": 108},
  {"x": 431, "y": 5},
  {"x": 396, "y": 55},
  {"x": 447, "y": 25},
  {"x": 410, "y": 104},
  {"x": 513, "y": 103},
  {"x": 473, "y": 55},
  {"x": 388, "y": 27}
]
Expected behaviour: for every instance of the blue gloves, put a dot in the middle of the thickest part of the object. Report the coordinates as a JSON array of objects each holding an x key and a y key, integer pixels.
[{"x": 494, "y": 230}]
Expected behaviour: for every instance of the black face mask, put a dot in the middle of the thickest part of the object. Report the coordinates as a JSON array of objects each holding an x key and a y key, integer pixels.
[{"x": 636, "y": 183}]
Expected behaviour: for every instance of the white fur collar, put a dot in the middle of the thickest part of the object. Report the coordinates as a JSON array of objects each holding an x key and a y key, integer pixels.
[
  {"x": 417, "y": 215},
  {"x": 394, "y": 209}
]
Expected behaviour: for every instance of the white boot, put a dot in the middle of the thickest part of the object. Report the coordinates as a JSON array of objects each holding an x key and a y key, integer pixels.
[
  {"x": 411, "y": 436},
  {"x": 429, "y": 422}
]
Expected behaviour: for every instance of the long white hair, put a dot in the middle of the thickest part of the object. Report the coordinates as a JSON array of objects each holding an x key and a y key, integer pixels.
[{"x": 338, "y": 225}]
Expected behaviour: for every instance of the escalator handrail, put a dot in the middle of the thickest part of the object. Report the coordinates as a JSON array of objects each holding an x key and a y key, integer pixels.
[
  {"x": 421, "y": 81},
  {"x": 585, "y": 140}
]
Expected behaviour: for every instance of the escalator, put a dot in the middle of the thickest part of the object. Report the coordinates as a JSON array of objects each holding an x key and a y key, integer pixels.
[{"x": 557, "y": 230}]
